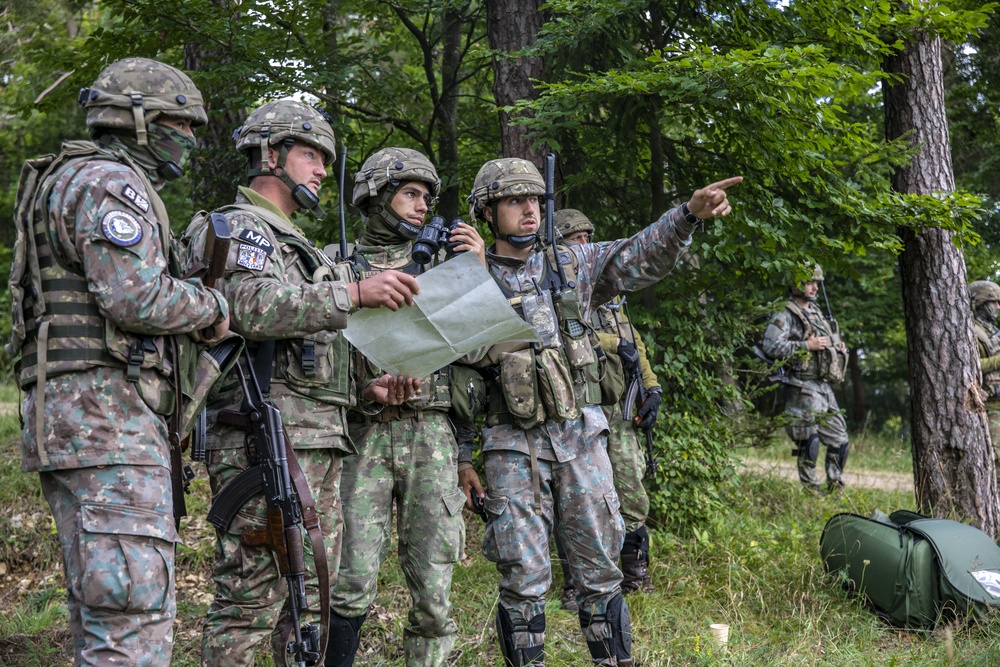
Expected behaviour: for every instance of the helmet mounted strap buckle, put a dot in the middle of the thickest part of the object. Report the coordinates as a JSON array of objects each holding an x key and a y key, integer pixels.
[
  {"x": 139, "y": 116},
  {"x": 265, "y": 159}
]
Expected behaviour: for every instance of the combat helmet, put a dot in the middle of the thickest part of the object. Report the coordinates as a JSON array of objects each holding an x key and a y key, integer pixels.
[
  {"x": 982, "y": 292},
  {"x": 569, "y": 221},
  {"x": 506, "y": 177},
  {"x": 795, "y": 282},
  {"x": 379, "y": 179},
  {"x": 133, "y": 92},
  {"x": 285, "y": 122}
]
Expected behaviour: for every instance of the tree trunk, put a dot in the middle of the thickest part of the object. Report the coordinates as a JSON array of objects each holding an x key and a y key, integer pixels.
[
  {"x": 447, "y": 118},
  {"x": 953, "y": 465},
  {"x": 857, "y": 387},
  {"x": 512, "y": 25}
]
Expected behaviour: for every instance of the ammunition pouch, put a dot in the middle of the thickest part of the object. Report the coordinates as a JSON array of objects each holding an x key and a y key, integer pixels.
[
  {"x": 612, "y": 377},
  {"x": 556, "y": 385},
  {"x": 519, "y": 384},
  {"x": 468, "y": 394},
  {"x": 203, "y": 369}
]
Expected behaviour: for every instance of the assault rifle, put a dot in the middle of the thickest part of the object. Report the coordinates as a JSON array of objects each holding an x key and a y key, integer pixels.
[
  {"x": 628, "y": 352},
  {"x": 217, "y": 241},
  {"x": 274, "y": 472}
]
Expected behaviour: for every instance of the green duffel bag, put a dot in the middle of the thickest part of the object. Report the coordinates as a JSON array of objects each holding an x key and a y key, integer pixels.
[{"x": 915, "y": 571}]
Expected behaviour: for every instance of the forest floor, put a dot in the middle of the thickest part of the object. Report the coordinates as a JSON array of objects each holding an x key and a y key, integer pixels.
[{"x": 867, "y": 479}]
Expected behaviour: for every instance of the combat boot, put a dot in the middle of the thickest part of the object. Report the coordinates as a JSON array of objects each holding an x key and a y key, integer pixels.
[
  {"x": 569, "y": 602},
  {"x": 635, "y": 562},
  {"x": 510, "y": 635},
  {"x": 808, "y": 453},
  {"x": 345, "y": 637},
  {"x": 835, "y": 461}
]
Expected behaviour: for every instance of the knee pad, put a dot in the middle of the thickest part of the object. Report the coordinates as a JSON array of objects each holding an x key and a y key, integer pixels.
[
  {"x": 637, "y": 542},
  {"x": 345, "y": 637},
  {"x": 619, "y": 645},
  {"x": 809, "y": 450},
  {"x": 506, "y": 629}
]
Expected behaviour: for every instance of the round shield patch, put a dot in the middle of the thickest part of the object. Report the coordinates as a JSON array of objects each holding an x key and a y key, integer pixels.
[{"x": 121, "y": 228}]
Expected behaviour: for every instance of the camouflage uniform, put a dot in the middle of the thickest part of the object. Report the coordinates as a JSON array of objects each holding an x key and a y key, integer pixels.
[
  {"x": 988, "y": 337},
  {"x": 102, "y": 245},
  {"x": 560, "y": 468},
  {"x": 280, "y": 287},
  {"x": 407, "y": 457},
  {"x": 809, "y": 399}
]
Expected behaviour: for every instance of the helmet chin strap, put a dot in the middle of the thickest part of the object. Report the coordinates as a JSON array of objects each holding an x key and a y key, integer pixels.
[
  {"x": 382, "y": 208},
  {"x": 518, "y": 241},
  {"x": 302, "y": 195}
]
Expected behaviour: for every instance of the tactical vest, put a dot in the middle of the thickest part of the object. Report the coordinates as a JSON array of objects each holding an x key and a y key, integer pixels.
[
  {"x": 829, "y": 364},
  {"x": 435, "y": 391},
  {"x": 989, "y": 341},
  {"x": 551, "y": 380},
  {"x": 317, "y": 365},
  {"x": 57, "y": 326}
]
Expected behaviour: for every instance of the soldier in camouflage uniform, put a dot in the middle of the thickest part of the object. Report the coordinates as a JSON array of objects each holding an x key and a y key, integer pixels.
[
  {"x": 406, "y": 454},
  {"x": 624, "y": 449},
  {"x": 288, "y": 300},
  {"x": 544, "y": 434},
  {"x": 95, "y": 307},
  {"x": 801, "y": 333},
  {"x": 984, "y": 298}
]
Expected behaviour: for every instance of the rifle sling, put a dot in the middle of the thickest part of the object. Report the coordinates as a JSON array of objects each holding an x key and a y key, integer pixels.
[{"x": 178, "y": 478}]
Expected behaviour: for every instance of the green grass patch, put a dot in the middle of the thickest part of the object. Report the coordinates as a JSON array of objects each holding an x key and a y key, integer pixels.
[{"x": 869, "y": 451}]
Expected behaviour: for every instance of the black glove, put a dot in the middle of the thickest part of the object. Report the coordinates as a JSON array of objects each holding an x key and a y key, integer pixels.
[{"x": 649, "y": 410}]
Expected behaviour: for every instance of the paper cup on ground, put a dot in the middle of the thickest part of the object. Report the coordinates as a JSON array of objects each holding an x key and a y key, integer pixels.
[{"x": 720, "y": 634}]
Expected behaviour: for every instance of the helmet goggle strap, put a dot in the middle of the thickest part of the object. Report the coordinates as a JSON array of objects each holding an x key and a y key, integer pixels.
[{"x": 140, "y": 120}]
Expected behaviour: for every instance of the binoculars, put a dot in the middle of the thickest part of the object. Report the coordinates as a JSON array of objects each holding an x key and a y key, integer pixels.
[{"x": 432, "y": 237}]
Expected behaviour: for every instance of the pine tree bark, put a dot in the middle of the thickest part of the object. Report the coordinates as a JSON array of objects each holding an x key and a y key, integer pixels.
[
  {"x": 953, "y": 464},
  {"x": 512, "y": 25}
]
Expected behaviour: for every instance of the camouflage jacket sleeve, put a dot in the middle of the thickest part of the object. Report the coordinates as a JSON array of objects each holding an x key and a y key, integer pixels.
[
  {"x": 649, "y": 379},
  {"x": 117, "y": 241},
  {"x": 270, "y": 291},
  {"x": 610, "y": 268},
  {"x": 783, "y": 337}
]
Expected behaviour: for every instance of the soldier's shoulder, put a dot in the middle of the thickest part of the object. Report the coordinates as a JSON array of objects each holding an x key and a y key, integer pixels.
[{"x": 114, "y": 182}]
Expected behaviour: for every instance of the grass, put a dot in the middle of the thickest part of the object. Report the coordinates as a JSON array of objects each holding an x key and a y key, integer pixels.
[
  {"x": 870, "y": 451},
  {"x": 756, "y": 567}
]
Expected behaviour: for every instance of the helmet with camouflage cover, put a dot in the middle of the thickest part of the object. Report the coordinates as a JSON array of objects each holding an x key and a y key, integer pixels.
[
  {"x": 376, "y": 184},
  {"x": 506, "y": 177},
  {"x": 984, "y": 297},
  {"x": 285, "y": 122},
  {"x": 569, "y": 221},
  {"x": 815, "y": 274},
  {"x": 133, "y": 92}
]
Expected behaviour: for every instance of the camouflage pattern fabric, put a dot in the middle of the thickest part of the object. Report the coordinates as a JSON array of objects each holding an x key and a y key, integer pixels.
[
  {"x": 628, "y": 462},
  {"x": 96, "y": 418},
  {"x": 989, "y": 361},
  {"x": 251, "y": 597},
  {"x": 274, "y": 295},
  {"x": 116, "y": 532},
  {"x": 409, "y": 462},
  {"x": 579, "y": 493},
  {"x": 810, "y": 404}
]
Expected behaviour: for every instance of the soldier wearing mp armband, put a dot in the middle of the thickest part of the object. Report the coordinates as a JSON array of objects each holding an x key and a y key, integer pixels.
[
  {"x": 407, "y": 454},
  {"x": 817, "y": 357},
  {"x": 544, "y": 435},
  {"x": 97, "y": 301},
  {"x": 289, "y": 300}
]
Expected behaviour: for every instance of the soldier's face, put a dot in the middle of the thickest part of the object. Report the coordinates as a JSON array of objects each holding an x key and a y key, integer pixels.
[
  {"x": 411, "y": 202},
  {"x": 577, "y": 238},
  {"x": 518, "y": 216},
  {"x": 304, "y": 165},
  {"x": 810, "y": 289}
]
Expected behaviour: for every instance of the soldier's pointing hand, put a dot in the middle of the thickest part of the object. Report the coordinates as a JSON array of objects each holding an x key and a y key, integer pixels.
[
  {"x": 711, "y": 200},
  {"x": 389, "y": 289}
]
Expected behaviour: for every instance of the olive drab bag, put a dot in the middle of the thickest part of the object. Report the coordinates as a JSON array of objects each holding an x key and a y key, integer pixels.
[{"x": 915, "y": 571}]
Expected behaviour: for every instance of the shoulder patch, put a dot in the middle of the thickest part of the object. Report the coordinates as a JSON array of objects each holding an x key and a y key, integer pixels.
[
  {"x": 121, "y": 228},
  {"x": 138, "y": 199},
  {"x": 257, "y": 239},
  {"x": 565, "y": 258},
  {"x": 779, "y": 322},
  {"x": 251, "y": 257}
]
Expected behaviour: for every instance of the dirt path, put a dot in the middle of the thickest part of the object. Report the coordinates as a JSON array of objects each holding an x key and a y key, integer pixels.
[{"x": 869, "y": 479}]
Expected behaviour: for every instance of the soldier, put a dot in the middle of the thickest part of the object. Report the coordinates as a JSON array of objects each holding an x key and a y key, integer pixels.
[
  {"x": 407, "y": 455},
  {"x": 985, "y": 301},
  {"x": 624, "y": 448},
  {"x": 96, "y": 308},
  {"x": 801, "y": 333},
  {"x": 288, "y": 300},
  {"x": 544, "y": 434}
]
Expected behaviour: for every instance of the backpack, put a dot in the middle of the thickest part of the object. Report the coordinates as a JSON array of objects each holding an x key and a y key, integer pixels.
[{"x": 915, "y": 571}]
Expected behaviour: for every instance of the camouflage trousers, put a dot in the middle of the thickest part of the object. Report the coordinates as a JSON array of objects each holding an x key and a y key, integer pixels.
[
  {"x": 628, "y": 463},
  {"x": 116, "y": 531},
  {"x": 993, "y": 416},
  {"x": 250, "y": 594},
  {"x": 578, "y": 498},
  {"x": 412, "y": 461},
  {"x": 812, "y": 409}
]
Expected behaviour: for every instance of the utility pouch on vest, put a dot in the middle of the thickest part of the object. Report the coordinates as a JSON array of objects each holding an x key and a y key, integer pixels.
[
  {"x": 317, "y": 366},
  {"x": 202, "y": 371},
  {"x": 832, "y": 363},
  {"x": 435, "y": 393},
  {"x": 145, "y": 364},
  {"x": 468, "y": 394},
  {"x": 612, "y": 379},
  {"x": 540, "y": 314},
  {"x": 579, "y": 351},
  {"x": 518, "y": 380},
  {"x": 556, "y": 385}
]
